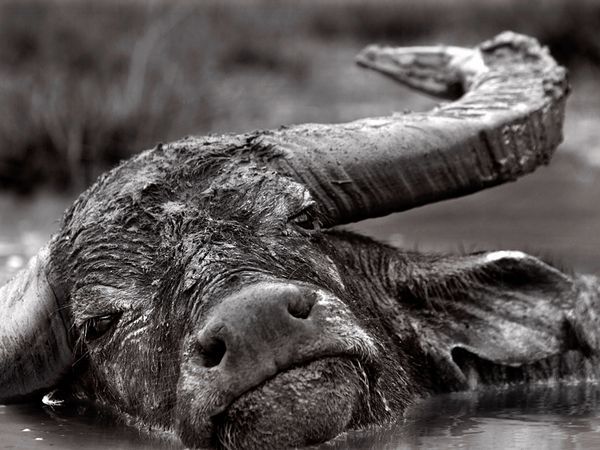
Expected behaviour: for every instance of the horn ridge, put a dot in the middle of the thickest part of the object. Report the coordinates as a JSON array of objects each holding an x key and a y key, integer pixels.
[{"x": 507, "y": 122}]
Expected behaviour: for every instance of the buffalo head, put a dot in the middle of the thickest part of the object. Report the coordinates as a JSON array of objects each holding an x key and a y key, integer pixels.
[{"x": 198, "y": 288}]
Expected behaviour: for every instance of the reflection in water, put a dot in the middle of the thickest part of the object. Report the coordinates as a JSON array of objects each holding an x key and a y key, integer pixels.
[
  {"x": 36, "y": 427},
  {"x": 549, "y": 417}
]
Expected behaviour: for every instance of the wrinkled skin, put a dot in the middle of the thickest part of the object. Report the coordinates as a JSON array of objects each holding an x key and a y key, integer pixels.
[{"x": 157, "y": 248}]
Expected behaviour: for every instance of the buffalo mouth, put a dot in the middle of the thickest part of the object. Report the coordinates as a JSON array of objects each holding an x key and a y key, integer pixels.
[{"x": 300, "y": 406}]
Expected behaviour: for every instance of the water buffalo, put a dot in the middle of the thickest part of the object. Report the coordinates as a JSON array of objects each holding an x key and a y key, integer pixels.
[{"x": 200, "y": 287}]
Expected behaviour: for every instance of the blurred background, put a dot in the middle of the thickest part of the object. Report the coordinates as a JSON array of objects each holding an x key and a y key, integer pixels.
[{"x": 84, "y": 85}]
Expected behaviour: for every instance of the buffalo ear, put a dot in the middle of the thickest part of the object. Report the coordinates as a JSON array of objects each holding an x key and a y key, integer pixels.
[
  {"x": 505, "y": 308},
  {"x": 35, "y": 346}
]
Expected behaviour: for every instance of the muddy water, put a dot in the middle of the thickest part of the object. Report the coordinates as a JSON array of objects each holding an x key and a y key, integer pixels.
[{"x": 554, "y": 213}]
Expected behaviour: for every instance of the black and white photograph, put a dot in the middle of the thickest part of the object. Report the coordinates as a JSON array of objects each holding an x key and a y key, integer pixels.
[{"x": 325, "y": 224}]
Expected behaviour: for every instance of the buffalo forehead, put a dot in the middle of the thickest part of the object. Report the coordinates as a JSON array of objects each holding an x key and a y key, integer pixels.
[{"x": 185, "y": 180}]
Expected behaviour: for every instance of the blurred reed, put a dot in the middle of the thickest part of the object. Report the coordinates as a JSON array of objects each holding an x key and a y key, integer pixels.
[{"x": 84, "y": 85}]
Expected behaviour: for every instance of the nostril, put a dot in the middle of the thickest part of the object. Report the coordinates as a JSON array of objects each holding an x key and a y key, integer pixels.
[
  {"x": 212, "y": 352},
  {"x": 300, "y": 306}
]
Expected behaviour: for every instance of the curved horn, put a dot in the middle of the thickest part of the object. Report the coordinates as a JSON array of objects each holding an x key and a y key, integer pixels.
[
  {"x": 508, "y": 122},
  {"x": 35, "y": 347}
]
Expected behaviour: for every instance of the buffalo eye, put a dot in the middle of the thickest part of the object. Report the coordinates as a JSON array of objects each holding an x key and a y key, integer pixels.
[
  {"x": 306, "y": 219},
  {"x": 96, "y": 327}
]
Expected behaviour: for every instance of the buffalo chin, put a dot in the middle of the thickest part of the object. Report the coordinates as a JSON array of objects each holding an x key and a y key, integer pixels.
[{"x": 301, "y": 406}]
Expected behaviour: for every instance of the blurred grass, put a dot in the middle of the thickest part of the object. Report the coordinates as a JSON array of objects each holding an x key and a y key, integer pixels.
[{"x": 86, "y": 84}]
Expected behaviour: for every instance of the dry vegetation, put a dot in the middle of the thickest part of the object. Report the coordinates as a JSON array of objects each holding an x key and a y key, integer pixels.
[{"x": 86, "y": 84}]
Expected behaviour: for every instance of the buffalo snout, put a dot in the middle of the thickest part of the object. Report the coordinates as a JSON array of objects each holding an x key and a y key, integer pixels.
[
  {"x": 262, "y": 333},
  {"x": 258, "y": 330}
]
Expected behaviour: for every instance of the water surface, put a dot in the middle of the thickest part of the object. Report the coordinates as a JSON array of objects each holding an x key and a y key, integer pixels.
[
  {"x": 542, "y": 417},
  {"x": 30, "y": 427}
]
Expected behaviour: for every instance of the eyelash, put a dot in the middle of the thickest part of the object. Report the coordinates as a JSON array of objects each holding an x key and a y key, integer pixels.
[
  {"x": 98, "y": 326},
  {"x": 306, "y": 219}
]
